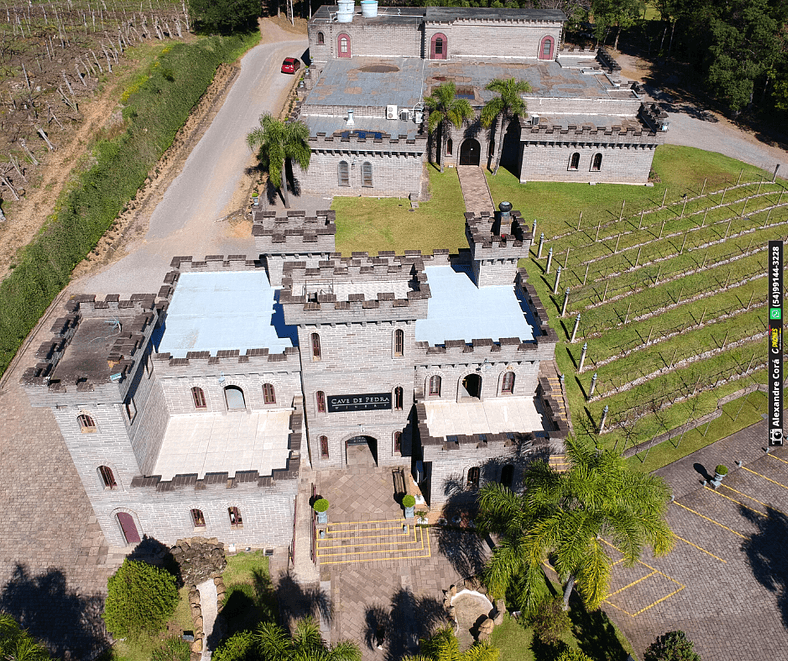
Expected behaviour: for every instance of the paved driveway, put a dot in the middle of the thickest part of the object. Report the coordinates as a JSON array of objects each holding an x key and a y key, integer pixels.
[{"x": 725, "y": 582}]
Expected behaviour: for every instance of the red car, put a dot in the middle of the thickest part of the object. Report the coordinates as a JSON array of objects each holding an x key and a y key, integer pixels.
[{"x": 290, "y": 65}]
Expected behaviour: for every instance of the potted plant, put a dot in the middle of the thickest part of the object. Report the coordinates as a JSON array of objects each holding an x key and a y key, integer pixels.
[
  {"x": 409, "y": 503},
  {"x": 321, "y": 507},
  {"x": 720, "y": 472},
  {"x": 421, "y": 517}
]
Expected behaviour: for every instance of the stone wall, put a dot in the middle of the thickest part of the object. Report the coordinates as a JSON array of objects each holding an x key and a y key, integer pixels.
[{"x": 490, "y": 40}]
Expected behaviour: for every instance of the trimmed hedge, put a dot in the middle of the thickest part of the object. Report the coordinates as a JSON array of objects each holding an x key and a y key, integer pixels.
[{"x": 155, "y": 110}]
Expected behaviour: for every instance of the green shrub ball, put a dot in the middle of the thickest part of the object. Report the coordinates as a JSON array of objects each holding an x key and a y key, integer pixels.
[
  {"x": 321, "y": 505},
  {"x": 408, "y": 501}
]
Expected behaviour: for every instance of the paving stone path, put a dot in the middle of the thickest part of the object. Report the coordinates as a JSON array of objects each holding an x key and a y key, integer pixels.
[{"x": 475, "y": 191}]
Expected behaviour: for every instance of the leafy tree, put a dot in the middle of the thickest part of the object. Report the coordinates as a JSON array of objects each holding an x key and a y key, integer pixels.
[
  {"x": 550, "y": 621},
  {"x": 563, "y": 516},
  {"x": 241, "y": 646},
  {"x": 615, "y": 13},
  {"x": 672, "y": 646},
  {"x": 274, "y": 644},
  {"x": 278, "y": 142},
  {"x": 224, "y": 16},
  {"x": 443, "y": 646},
  {"x": 16, "y": 644},
  {"x": 573, "y": 655},
  {"x": 140, "y": 598},
  {"x": 446, "y": 109},
  {"x": 503, "y": 108}
]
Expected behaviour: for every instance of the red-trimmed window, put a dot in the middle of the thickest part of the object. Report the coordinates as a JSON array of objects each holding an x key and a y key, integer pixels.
[
  {"x": 198, "y": 397},
  {"x": 198, "y": 519},
  {"x": 596, "y": 163},
  {"x": 399, "y": 343},
  {"x": 321, "y": 401},
  {"x": 269, "y": 395},
  {"x": 546, "y": 47},
  {"x": 439, "y": 46},
  {"x": 398, "y": 442},
  {"x": 343, "y": 45},
  {"x": 574, "y": 161},
  {"x": 323, "y": 447},
  {"x": 320, "y": 39}
]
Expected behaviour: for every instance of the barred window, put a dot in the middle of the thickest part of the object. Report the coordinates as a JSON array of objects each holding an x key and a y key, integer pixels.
[{"x": 198, "y": 396}]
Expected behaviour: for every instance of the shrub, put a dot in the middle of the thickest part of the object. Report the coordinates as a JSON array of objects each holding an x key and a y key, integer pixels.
[
  {"x": 321, "y": 505},
  {"x": 672, "y": 646},
  {"x": 140, "y": 598},
  {"x": 238, "y": 647},
  {"x": 573, "y": 655},
  {"x": 172, "y": 649},
  {"x": 408, "y": 501},
  {"x": 722, "y": 470},
  {"x": 16, "y": 643},
  {"x": 550, "y": 621}
]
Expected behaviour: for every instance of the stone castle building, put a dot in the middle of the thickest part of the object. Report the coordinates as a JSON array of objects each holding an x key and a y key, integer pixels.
[
  {"x": 363, "y": 99},
  {"x": 192, "y": 411}
]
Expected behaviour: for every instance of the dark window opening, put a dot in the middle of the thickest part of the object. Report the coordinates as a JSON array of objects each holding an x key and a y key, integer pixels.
[
  {"x": 473, "y": 478},
  {"x": 86, "y": 423},
  {"x": 366, "y": 175},
  {"x": 596, "y": 163},
  {"x": 343, "y": 173},
  {"x": 472, "y": 386},
  {"x": 449, "y": 146},
  {"x": 320, "y": 38},
  {"x": 507, "y": 386},
  {"x": 235, "y": 517},
  {"x": 507, "y": 475},
  {"x": 107, "y": 477},
  {"x": 574, "y": 162},
  {"x": 316, "y": 355},
  {"x": 435, "y": 386},
  {"x": 269, "y": 396},
  {"x": 399, "y": 343},
  {"x": 321, "y": 401},
  {"x": 324, "y": 447},
  {"x": 398, "y": 442},
  {"x": 198, "y": 519},
  {"x": 398, "y": 398}
]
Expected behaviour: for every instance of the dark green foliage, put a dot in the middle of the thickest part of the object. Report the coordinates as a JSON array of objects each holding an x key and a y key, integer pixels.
[
  {"x": 275, "y": 644},
  {"x": 153, "y": 115},
  {"x": 140, "y": 598},
  {"x": 224, "y": 16},
  {"x": 17, "y": 644},
  {"x": 550, "y": 621},
  {"x": 172, "y": 649},
  {"x": 573, "y": 655},
  {"x": 672, "y": 646},
  {"x": 238, "y": 647}
]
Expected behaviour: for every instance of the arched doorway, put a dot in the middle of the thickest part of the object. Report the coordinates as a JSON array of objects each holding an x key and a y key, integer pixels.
[
  {"x": 471, "y": 386},
  {"x": 470, "y": 152},
  {"x": 362, "y": 451},
  {"x": 128, "y": 528},
  {"x": 507, "y": 475}
]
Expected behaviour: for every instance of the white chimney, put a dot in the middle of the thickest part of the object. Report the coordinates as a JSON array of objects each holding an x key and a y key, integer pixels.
[{"x": 350, "y": 121}]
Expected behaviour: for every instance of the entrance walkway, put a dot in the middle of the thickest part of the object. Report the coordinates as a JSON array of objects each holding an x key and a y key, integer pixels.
[{"x": 475, "y": 191}]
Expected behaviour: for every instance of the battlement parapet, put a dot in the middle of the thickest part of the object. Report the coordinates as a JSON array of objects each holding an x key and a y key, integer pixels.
[
  {"x": 294, "y": 233},
  {"x": 505, "y": 349},
  {"x": 654, "y": 117},
  {"x": 242, "y": 479},
  {"x": 503, "y": 235},
  {"x": 336, "y": 142},
  {"x": 288, "y": 360},
  {"x": 596, "y": 134},
  {"x": 212, "y": 263},
  {"x": 607, "y": 61}
]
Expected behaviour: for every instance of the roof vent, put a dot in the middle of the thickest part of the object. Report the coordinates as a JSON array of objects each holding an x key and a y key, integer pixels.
[
  {"x": 534, "y": 120},
  {"x": 391, "y": 112},
  {"x": 404, "y": 115},
  {"x": 350, "y": 121}
]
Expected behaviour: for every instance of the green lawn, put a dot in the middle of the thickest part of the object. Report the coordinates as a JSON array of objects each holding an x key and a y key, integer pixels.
[{"x": 249, "y": 598}]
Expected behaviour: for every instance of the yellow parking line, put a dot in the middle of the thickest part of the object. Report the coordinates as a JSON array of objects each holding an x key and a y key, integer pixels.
[
  {"x": 699, "y": 548},
  {"x": 779, "y": 484},
  {"x": 733, "y": 500},
  {"x": 659, "y": 601},
  {"x": 760, "y": 502},
  {"x": 773, "y": 457},
  {"x": 618, "y": 607},
  {"x": 716, "y": 523},
  {"x": 643, "y": 578}
]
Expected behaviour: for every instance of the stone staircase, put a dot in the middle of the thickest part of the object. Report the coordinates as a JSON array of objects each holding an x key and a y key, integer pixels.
[
  {"x": 558, "y": 462},
  {"x": 373, "y": 541}
]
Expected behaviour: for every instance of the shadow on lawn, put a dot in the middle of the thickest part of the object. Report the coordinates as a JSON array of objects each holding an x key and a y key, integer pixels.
[{"x": 595, "y": 633}]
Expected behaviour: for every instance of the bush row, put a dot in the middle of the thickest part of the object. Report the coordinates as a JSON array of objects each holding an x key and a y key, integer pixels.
[{"x": 153, "y": 113}]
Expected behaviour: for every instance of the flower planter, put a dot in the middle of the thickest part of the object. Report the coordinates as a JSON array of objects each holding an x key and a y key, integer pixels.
[{"x": 321, "y": 510}]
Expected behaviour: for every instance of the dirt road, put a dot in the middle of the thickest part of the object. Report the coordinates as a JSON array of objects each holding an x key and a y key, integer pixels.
[{"x": 191, "y": 218}]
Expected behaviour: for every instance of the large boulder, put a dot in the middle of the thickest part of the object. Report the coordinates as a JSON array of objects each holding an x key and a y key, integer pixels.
[{"x": 199, "y": 559}]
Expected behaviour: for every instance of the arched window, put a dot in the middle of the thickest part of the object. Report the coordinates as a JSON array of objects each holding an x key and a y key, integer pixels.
[
  {"x": 235, "y": 517},
  {"x": 343, "y": 173},
  {"x": 320, "y": 39},
  {"x": 435, "y": 386},
  {"x": 473, "y": 478},
  {"x": 574, "y": 161},
  {"x": 596, "y": 163},
  {"x": 198, "y": 520},
  {"x": 234, "y": 398},
  {"x": 343, "y": 45},
  {"x": 320, "y": 396},
  {"x": 507, "y": 383},
  {"x": 316, "y": 354},
  {"x": 86, "y": 423},
  {"x": 507, "y": 475},
  {"x": 449, "y": 146},
  {"x": 399, "y": 343},
  {"x": 323, "y": 447},
  {"x": 398, "y": 442},
  {"x": 398, "y": 398},
  {"x": 198, "y": 397},
  {"x": 546, "y": 48},
  {"x": 366, "y": 174},
  {"x": 107, "y": 477},
  {"x": 269, "y": 396},
  {"x": 439, "y": 47}
]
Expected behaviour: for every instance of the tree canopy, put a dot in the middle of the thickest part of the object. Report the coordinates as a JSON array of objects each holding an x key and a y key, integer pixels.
[
  {"x": 563, "y": 517},
  {"x": 224, "y": 16},
  {"x": 445, "y": 110},
  {"x": 275, "y": 644},
  {"x": 444, "y": 646},
  {"x": 502, "y": 108},
  {"x": 277, "y": 142}
]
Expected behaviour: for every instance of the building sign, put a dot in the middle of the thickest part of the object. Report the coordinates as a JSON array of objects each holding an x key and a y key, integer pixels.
[
  {"x": 775, "y": 362},
  {"x": 345, "y": 403}
]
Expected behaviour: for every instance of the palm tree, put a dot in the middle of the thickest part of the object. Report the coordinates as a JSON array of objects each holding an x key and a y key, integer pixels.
[
  {"x": 564, "y": 516},
  {"x": 306, "y": 643},
  {"x": 16, "y": 644},
  {"x": 446, "y": 109},
  {"x": 443, "y": 646},
  {"x": 507, "y": 105},
  {"x": 277, "y": 142}
]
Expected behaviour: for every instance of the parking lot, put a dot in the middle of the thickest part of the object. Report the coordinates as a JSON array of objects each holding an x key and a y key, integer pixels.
[{"x": 724, "y": 584}]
